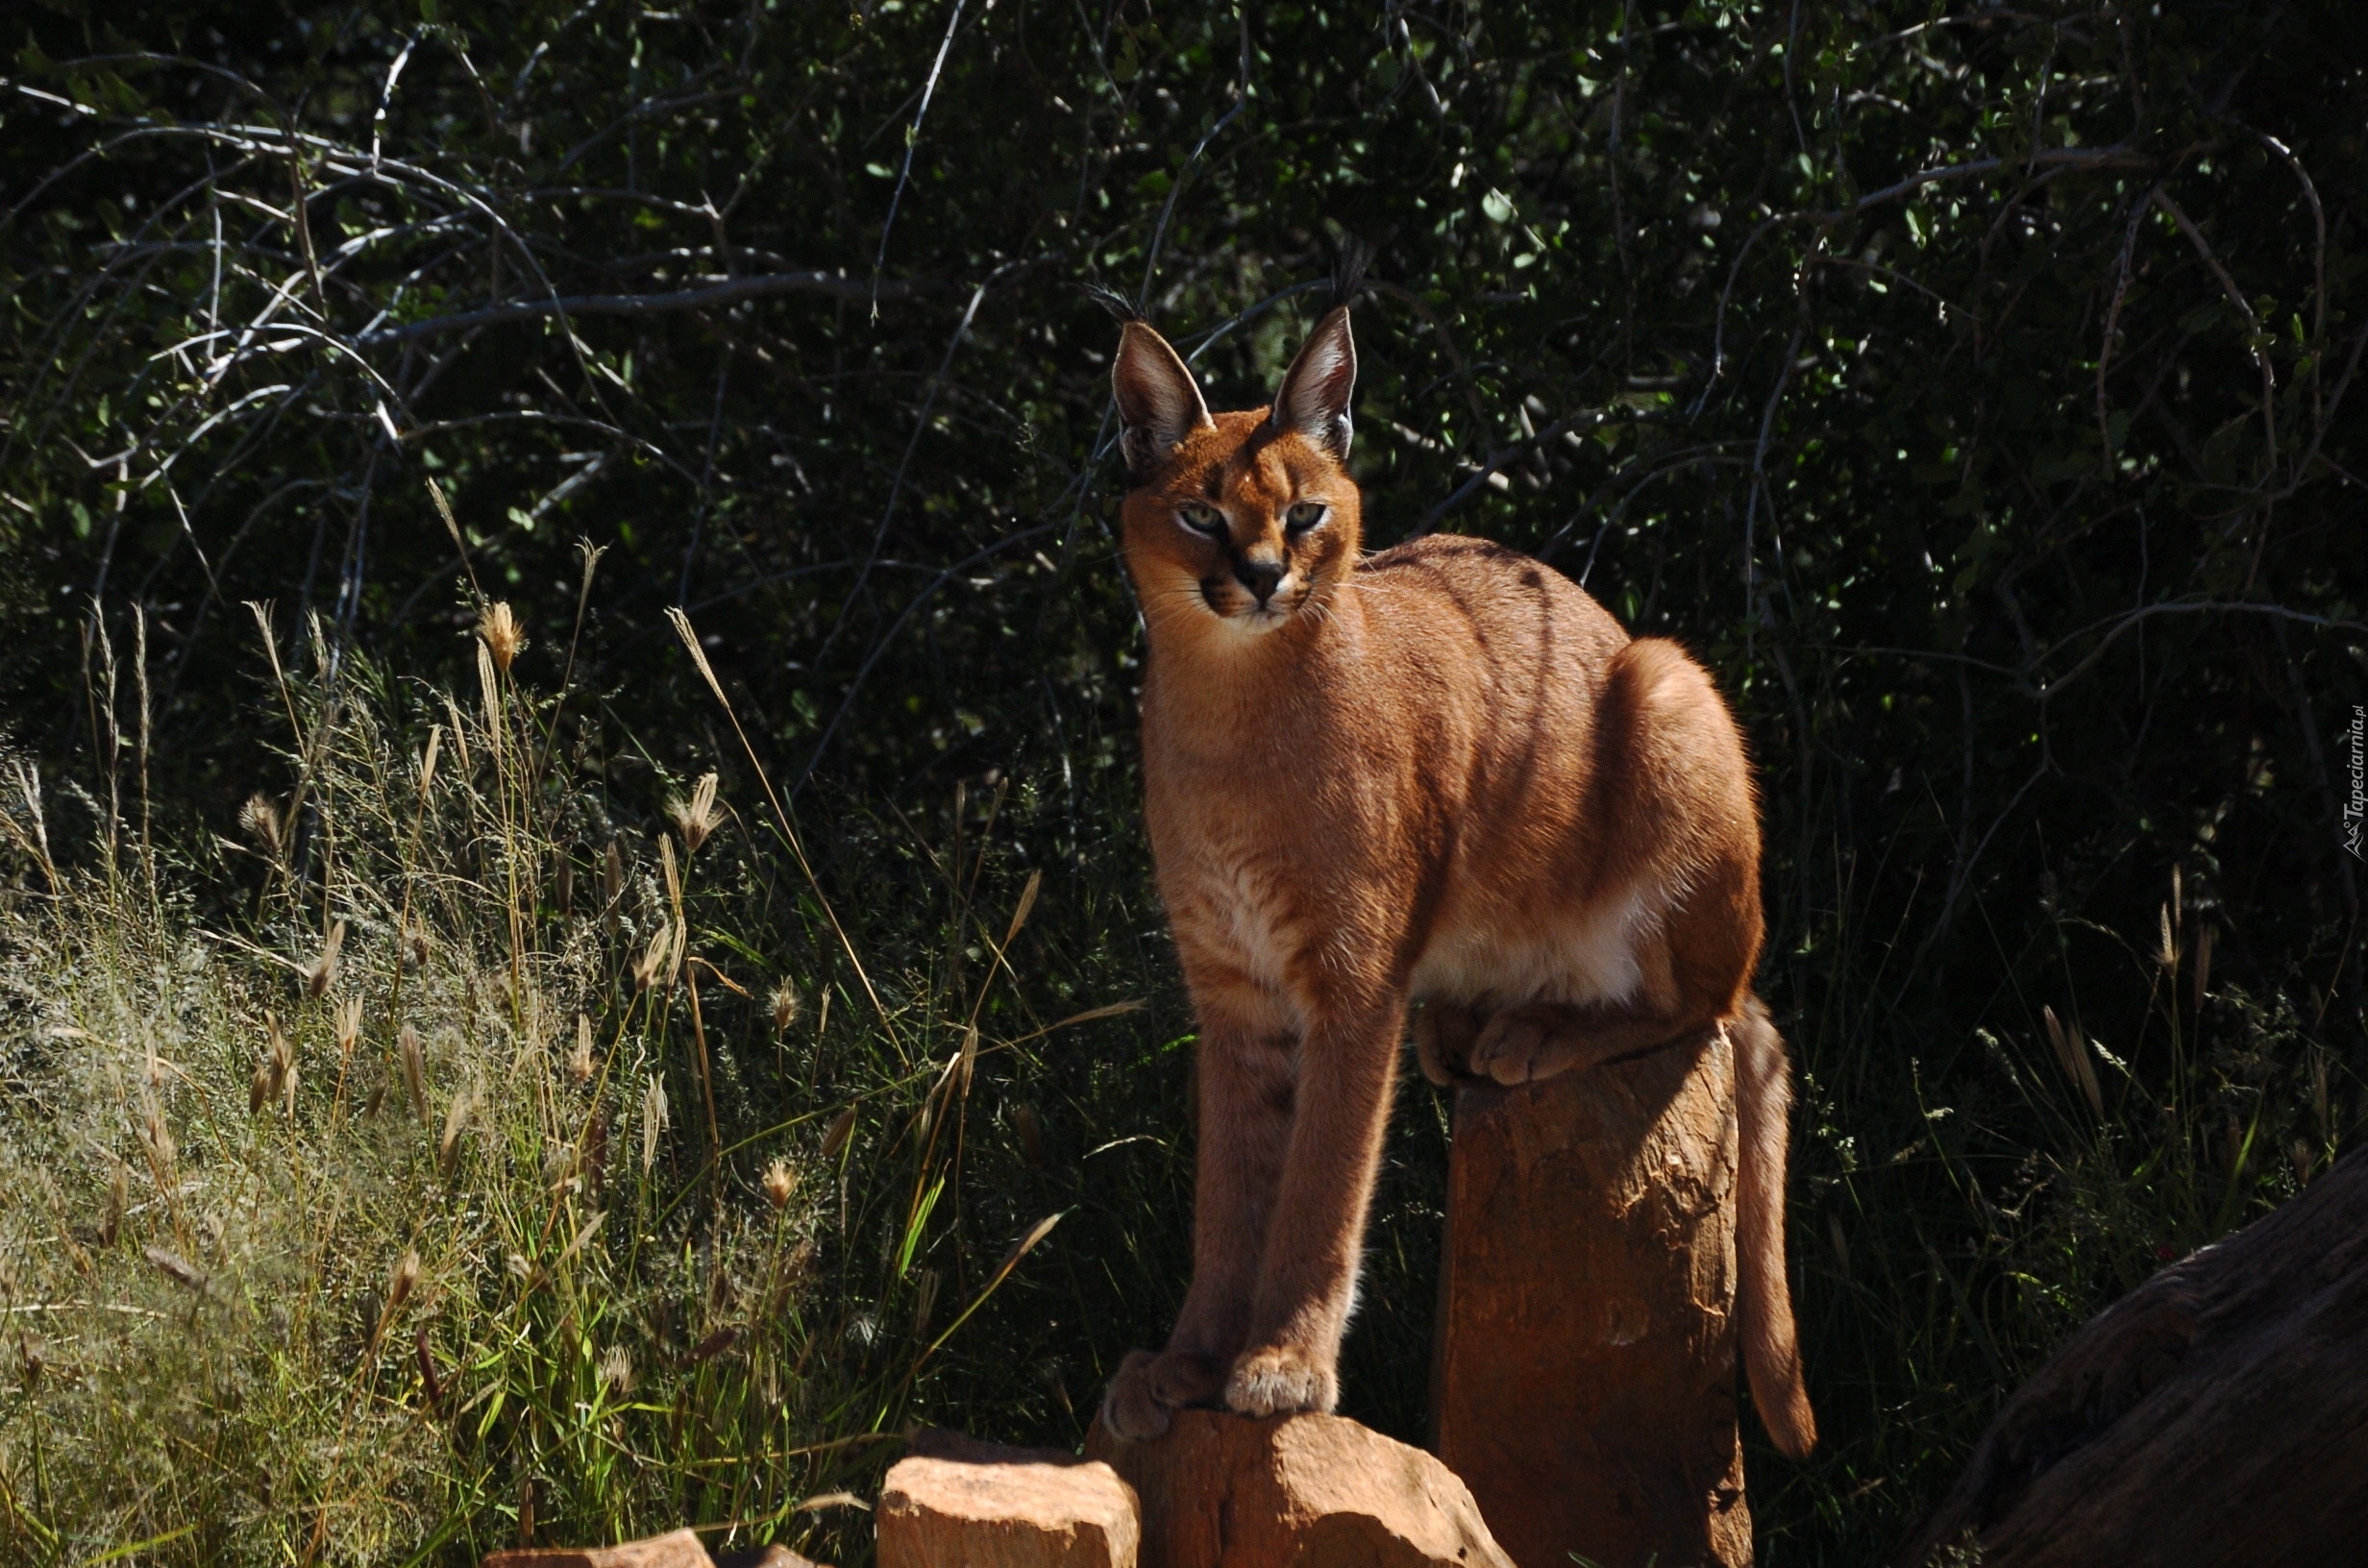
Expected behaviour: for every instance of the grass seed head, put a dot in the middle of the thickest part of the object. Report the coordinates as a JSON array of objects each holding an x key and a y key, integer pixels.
[
  {"x": 780, "y": 1184},
  {"x": 322, "y": 972},
  {"x": 161, "y": 1147},
  {"x": 447, "y": 1147},
  {"x": 415, "y": 1072},
  {"x": 579, "y": 1059},
  {"x": 261, "y": 820},
  {"x": 118, "y": 1194},
  {"x": 785, "y": 1007},
  {"x": 176, "y": 1269},
  {"x": 504, "y": 639},
  {"x": 656, "y": 960},
  {"x": 347, "y": 1020},
  {"x": 399, "y": 1283},
  {"x": 695, "y": 818},
  {"x": 653, "y": 1122},
  {"x": 842, "y": 1128}
]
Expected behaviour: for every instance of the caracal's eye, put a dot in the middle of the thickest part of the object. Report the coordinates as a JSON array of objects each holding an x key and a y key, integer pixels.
[
  {"x": 1304, "y": 516},
  {"x": 1206, "y": 520}
]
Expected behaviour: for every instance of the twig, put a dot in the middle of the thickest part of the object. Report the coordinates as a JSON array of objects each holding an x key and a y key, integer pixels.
[{"x": 836, "y": 285}]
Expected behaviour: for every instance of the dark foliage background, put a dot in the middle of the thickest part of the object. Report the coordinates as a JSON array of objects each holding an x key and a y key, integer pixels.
[{"x": 1975, "y": 388}]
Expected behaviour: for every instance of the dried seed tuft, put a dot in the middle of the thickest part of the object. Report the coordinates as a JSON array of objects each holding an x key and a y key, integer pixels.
[
  {"x": 695, "y": 818},
  {"x": 2073, "y": 1056},
  {"x": 429, "y": 1384},
  {"x": 447, "y": 1147},
  {"x": 176, "y": 1268},
  {"x": 415, "y": 1072},
  {"x": 118, "y": 1194},
  {"x": 780, "y": 1184},
  {"x": 579, "y": 1059},
  {"x": 322, "y": 972},
  {"x": 653, "y": 1122},
  {"x": 504, "y": 637},
  {"x": 785, "y": 1007},
  {"x": 263, "y": 824},
  {"x": 399, "y": 1284},
  {"x": 348, "y": 1021},
  {"x": 841, "y": 1130}
]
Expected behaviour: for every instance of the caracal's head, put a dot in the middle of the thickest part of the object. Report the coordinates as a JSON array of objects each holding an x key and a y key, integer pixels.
[{"x": 1240, "y": 523}]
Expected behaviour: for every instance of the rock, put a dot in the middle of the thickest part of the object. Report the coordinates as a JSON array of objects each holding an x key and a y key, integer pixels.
[
  {"x": 957, "y": 1502},
  {"x": 775, "y": 1555},
  {"x": 1294, "y": 1491},
  {"x": 1585, "y": 1372},
  {"x": 682, "y": 1549}
]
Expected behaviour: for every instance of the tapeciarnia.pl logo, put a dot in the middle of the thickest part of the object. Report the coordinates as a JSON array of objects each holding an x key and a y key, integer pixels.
[{"x": 2354, "y": 808}]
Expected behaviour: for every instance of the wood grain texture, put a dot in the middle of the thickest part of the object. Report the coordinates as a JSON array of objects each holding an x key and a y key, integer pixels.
[{"x": 1584, "y": 1381}]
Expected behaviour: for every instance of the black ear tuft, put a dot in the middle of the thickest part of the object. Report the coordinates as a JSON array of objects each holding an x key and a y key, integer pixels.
[
  {"x": 1121, "y": 306},
  {"x": 1159, "y": 402},
  {"x": 1348, "y": 269},
  {"x": 1316, "y": 391}
]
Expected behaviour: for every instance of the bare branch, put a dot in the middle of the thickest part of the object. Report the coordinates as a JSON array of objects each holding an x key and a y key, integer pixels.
[{"x": 834, "y": 283}]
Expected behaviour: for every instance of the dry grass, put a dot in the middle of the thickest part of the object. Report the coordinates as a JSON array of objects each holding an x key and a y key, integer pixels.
[{"x": 391, "y": 1216}]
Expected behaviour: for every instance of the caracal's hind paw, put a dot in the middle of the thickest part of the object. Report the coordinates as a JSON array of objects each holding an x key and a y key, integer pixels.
[
  {"x": 1523, "y": 1044},
  {"x": 1149, "y": 1385},
  {"x": 1443, "y": 1035},
  {"x": 1280, "y": 1379}
]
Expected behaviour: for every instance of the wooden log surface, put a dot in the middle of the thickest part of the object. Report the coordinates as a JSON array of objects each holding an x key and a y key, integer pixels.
[
  {"x": 1584, "y": 1379},
  {"x": 2218, "y": 1413}
]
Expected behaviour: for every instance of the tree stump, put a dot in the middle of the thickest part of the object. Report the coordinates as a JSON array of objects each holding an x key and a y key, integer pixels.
[
  {"x": 2217, "y": 1413},
  {"x": 1583, "y": 1382}
]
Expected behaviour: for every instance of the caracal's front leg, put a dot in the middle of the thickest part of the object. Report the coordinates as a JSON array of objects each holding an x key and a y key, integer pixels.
[
  {"x": 1307, "y": 1275},
  {"x": 1245, "y": 1069}
]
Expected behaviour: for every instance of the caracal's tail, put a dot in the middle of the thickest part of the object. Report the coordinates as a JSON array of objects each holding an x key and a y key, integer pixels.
[{"x": 1764, "y": 1298}]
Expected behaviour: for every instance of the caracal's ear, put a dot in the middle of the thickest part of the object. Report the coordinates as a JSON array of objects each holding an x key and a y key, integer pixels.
[
  {"x": 1159, "y": 404},
  {"x": 1314, "y": 396}
]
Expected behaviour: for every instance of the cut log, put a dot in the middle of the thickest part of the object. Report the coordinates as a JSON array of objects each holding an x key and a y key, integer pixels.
[
  {"x": 1584, "y": 1372},
  {"x": 2217, "y": 1413},
  {"x": 1294, "y": 1491},
  {"x": 958, "y": 1502}
]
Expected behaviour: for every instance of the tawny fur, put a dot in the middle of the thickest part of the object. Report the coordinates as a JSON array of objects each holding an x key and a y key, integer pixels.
[{"x": 1440, "y": 775}]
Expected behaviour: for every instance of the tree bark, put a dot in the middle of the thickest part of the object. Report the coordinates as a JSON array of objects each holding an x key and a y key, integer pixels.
[
  {"x": 1584, "y": 1379},
  {"x": 2217, "y": 1413}
]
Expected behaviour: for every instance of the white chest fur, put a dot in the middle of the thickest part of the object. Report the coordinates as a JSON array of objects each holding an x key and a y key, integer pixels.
[{"x": 1504, "y": 957}]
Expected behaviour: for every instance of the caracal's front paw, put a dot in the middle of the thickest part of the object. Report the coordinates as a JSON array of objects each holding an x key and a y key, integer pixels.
[
  {"x": 1443, "y": 1035},
  {"x": 1518, "y": 1045},
  {"x": 1148, "y": 1387},
  {"x": 1280, "y": 1379}
]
